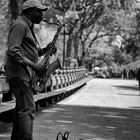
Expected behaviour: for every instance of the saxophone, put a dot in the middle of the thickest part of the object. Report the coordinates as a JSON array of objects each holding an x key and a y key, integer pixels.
[{"x": 39, "y": 82}]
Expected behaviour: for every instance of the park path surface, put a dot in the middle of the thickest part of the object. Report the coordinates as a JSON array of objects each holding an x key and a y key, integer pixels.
[
  {"x": 103, "y": 109},
  {"x": 107, "y": 93}
]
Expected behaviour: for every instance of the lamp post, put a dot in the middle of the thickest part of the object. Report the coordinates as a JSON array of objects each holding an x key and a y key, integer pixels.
[{"x": 64, "y": 42}]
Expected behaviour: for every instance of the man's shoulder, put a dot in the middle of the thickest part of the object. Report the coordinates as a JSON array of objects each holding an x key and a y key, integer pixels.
[
  {"x": 19, "y": 24},
  {"x": 20, "y": 21}
]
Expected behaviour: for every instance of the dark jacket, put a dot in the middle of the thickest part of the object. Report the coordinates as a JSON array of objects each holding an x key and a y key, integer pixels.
[{"x": 21, "y": 44}]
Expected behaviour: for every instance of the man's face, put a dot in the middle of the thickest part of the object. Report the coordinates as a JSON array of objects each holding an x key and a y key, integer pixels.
[{"x": 37, "y": 15}]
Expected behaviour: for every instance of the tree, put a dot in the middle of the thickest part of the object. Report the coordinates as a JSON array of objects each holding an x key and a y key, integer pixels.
[
  {"x": 86, "y": 22},
  {"x": 3, "y": 27}
]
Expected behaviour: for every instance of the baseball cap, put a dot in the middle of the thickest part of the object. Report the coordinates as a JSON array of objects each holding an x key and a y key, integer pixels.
[{"x": 34, "y": 3}]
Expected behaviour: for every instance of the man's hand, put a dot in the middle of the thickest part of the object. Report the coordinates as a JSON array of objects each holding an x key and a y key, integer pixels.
[
  {"x": 45, "y": 50},
  {"x": 39, "y": 69},
  {"x": 49, "y": 45},
  {"x": 54, "y": 50}
]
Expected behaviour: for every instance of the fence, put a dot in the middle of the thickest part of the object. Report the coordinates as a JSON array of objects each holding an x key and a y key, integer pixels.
[{"x": 61, "y": 84}]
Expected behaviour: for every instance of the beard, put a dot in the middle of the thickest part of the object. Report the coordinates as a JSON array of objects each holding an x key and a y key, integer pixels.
[{"x": 35, "y": 17}]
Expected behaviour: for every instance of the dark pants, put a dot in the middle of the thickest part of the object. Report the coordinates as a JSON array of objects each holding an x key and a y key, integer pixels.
[{"x": 24, "y": 113}]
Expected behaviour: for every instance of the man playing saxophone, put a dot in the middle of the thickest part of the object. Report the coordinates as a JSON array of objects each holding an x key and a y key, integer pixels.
[{"x": 22, "y": 57}]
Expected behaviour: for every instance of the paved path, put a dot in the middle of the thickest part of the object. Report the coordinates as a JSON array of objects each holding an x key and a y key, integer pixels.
[
  {"x": 107, "y": 93},
  {"x": 104, "y": 109}
]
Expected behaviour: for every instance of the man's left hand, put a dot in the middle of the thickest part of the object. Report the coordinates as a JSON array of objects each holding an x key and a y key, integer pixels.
[{"x": 54, "y": 50}]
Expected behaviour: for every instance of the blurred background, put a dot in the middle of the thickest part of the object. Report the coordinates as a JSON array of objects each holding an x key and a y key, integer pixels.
[{"x": 101, "y": 35}]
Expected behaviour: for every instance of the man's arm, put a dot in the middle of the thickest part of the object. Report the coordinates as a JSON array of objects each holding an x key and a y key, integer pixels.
[{"x": 15, "y": 38}]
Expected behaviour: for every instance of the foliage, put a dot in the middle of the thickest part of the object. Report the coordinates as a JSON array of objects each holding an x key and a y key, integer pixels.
[
  {"x": 3, "y": 28},
  {"x": 118, "y": 22},
  {"x": 87, "y": 22}
]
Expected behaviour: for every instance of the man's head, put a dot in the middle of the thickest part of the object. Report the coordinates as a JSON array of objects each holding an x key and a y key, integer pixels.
[{"x": 34, "y": 10}]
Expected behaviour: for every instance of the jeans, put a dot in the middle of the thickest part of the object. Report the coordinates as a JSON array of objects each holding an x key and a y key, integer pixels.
[{"x": 24, "y": 112}]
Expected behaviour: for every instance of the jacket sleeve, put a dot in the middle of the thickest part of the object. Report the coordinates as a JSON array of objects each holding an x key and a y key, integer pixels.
[{"x": 15, "y": 38}]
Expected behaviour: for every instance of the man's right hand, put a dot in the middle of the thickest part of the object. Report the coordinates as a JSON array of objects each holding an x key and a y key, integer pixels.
[{"x": 39, "y": 69}]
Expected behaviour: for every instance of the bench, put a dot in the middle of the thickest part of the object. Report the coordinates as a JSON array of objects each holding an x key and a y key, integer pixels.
[{"x": 51, "y": 97}]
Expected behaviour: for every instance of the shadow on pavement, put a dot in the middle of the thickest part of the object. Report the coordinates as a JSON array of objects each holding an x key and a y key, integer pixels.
[
  {"x": 83, "y": 122},
  {"x": 128, "y": 94},
  {"x": 88, "y": 122},
  {"x": 128, "y": 87}
]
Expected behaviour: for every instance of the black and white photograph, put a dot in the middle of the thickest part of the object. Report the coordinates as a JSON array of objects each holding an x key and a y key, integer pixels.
[{"x": 69, "y": 69}]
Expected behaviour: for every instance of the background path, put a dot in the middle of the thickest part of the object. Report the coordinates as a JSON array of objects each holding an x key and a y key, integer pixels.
[{"x": 104, "y": 109}]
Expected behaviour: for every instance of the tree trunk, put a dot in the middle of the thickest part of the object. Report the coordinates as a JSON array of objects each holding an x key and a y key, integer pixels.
[
  {"x": 16, "y": 8},
  {"x": 68, "y": 51},
  {"x": 83, "y": 54},
  {"x": 76, "y": 44}
]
